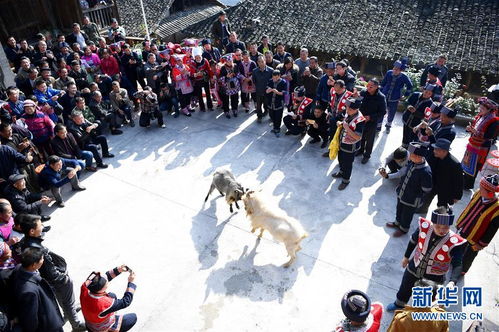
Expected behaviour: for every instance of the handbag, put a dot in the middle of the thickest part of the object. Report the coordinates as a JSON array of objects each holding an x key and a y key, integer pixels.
[{"x": 334, "y": 146}]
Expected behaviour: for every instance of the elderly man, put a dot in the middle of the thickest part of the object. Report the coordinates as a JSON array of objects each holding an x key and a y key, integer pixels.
[
  {"x": 101, "y": 112},
  {"x": 44, "y": 55},
  {"x": 65, "y": 146},
  {"x": 353, "y": 124},
  {"x": 121, "y": 103},
  {"x": 479, "y": 220},
  {"x": 61, "y": 83},
  {"x": 51, "y": 177},
  {"x": 22, "y": 200},
  {"x": 86, "y": 136},
  {"x": 415, "y": 182},
  {"x": 77, "y": 36}
]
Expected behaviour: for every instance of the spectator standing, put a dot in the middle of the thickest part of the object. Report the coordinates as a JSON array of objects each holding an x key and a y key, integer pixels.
[
  {"x": 276, "y": 88},
  {"x": 221, "y": 30},
  {"x": 261, "y": 77},
  {"x": 443, "y": 71},
  {"x": 91, "y": 29}
]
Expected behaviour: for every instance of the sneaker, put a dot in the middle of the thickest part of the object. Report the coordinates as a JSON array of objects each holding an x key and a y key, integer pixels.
[
  {"x": 315, "y": 140},
  {"x": 343, "y": 185},
  {"x": 392, "y": 307},
  {"x": 44, "y": 218},
  {"x": 163, "y": 126},
  {"x": 80, "y": 188},
  {"x": 364, "y": 160},
  {"x": 323, "y": 145},
  {"x": 102, "y": 165},
  {"x": 46, "y": 229},
  {"x": 132, "y": 123},
  {"x": 91, "y": 169},
  {"x": 392, "y": 225},
  {"x": 116, "y": 132},
  {"x": 337, "y": 174},
  {"x": 108, "y": 155},
  {"x": 60, "y": 204},
  {"x": 326, "y": 154}
]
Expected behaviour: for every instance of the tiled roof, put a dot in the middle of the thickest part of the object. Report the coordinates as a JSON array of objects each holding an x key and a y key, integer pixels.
[
  {"x": 131, "y": 14},
  {"x": 181, "y": 20},
  {"x": 466, "y": 30}
]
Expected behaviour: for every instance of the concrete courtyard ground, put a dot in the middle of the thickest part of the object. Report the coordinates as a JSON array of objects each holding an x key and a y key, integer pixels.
[{"x": 200, "y": 268}]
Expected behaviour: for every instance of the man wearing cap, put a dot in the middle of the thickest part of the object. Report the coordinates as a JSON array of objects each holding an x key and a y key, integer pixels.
[
  {"x": 392, "y": 85},
  {"x": 22, "y": 200},
  {"x": 373, "y": 108},
  {"x": 210, "y": 52},
  {"x": 323, "y": 96},
  {"x": 115, "y": 33},
  {"x": 221, "y": 30},
  {"x": 437, "y": 248},
  {"x": 121, "y": 103},
  {"x": 353, "y": 124},
  {"x": 446, "y": 127},
  {"x": 413, "y": 185},
  {"x": 99, "y": 307},
  {"x": 261, "y": 76},
  {"x": 201, "y": 77},
  {"x": 483, "y": 132},
  {"x": 419, "y": 106},
  {"x": 53, "y": 270},
  {"x": 479, "y": 220},
  {"x": 440, "y": 64},
  {"x": 360, "y": 313},
  {"x": 447, "y": 176},
  {"x": 299, "y": 112}
]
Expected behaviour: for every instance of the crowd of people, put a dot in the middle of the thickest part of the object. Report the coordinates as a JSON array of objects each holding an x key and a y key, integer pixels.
[{"x": 72, "y": 92}]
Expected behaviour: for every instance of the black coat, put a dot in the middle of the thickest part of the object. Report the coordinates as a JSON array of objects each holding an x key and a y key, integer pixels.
[
  {"x": 373, "y": 106},
  {"x": 447, "y": 176},
  {"x": 23, "y": 201},
  {"x": 36, "y": 305}
]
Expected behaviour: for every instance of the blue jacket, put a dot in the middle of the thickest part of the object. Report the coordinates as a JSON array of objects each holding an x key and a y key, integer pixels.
[
  {"x": 392, "y": 86},
  {"x": 10, "y": 161},
  {"x": 46, "y": 97},
  {"x": 49, "y": 178},
  {"x": 323, "y": 90}
]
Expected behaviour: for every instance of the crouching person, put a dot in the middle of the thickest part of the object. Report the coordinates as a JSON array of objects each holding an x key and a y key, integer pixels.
[
  {"x": 360, "y": 313},
  {"x": 318, "y": 127},
  {"x": 99, "y": 307},
  {"x": 59, "y": 171},
  {"x": 150, "y": 108}
]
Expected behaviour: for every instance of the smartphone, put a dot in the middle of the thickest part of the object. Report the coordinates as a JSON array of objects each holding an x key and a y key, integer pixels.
[{"x": 127, "y": 269}]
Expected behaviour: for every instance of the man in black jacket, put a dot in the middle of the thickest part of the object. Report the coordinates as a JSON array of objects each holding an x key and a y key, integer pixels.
[
  {"x": 22, "y": 200},
  {"x": 342, "y": 73},
  {"x": 35, "y": 302},
  {"x": 446, "y": 174},
  {"x": 234, "y": 44},
  {"x": 53, "y": 270},
  {"x": 77, "y": 36},
  {"x": 373, "y": 108},
  {"x": 105, "y": 114},
  {"x": 221, "y": 30},
  {"x": 87, "y": 138}
]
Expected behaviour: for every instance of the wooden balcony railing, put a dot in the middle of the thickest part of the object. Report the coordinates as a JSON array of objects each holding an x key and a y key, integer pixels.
[{"x": 102, "y": 14}]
